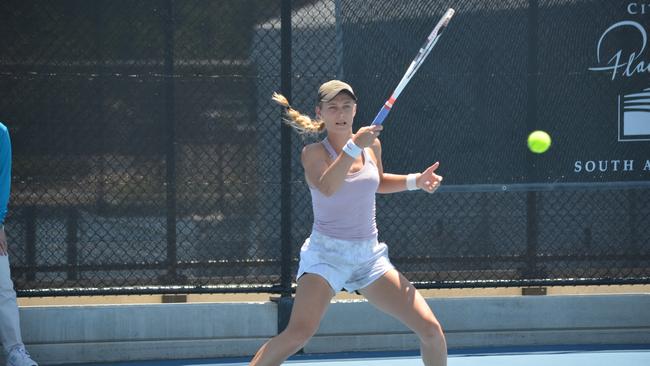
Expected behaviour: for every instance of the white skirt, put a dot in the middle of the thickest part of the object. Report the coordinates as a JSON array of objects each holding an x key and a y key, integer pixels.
[{"x": 344, "y": 264}]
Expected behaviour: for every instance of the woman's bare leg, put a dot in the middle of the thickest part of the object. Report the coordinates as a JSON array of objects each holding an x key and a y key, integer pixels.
[
  {"x": 313, "y": 295},
  {"x": 395, "y": 295}
]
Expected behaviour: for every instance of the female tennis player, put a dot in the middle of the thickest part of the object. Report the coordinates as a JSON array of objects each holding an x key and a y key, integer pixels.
[{"x": 344, "y": 172}]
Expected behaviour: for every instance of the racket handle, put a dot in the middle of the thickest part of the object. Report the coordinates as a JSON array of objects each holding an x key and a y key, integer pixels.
[{"x": 381, "y": 116}]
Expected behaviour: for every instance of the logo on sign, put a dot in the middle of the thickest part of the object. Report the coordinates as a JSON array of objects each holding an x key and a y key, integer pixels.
[{"x": 633, "y": 106}]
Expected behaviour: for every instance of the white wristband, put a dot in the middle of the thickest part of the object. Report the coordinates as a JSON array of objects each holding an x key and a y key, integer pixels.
[
  {"x": 352, "y": 149},
  {"x": 411, "y": 183}
]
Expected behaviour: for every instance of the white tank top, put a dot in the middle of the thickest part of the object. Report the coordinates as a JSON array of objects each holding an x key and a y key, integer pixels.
[{"x": 349, "y": 213}]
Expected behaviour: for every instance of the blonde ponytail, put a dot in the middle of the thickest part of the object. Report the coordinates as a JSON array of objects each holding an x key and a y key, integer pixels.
[{"x": 301, "y": 122}]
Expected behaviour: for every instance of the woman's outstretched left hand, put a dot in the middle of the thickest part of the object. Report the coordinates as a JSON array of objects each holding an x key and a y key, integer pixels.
[{"x": 429, "y": 181}]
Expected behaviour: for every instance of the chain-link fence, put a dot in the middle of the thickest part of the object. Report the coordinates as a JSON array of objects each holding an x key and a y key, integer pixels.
[{"x": 148, "y": 157}]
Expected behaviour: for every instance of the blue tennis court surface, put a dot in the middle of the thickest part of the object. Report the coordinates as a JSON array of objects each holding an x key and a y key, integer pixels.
[{"x": 628, "y": 356}]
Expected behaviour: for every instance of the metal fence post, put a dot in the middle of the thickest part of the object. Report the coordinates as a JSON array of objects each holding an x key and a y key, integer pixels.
[
  {"x": 30, "y": 242},
  {"x": 170, "y": 143},
  {"x": 285, "y": 302},
  {"x": 71, "y": 240},
  {"x": 530, "y": 270}
]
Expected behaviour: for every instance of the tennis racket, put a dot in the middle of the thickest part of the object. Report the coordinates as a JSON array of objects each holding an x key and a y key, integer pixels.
[{"x": 415, "y": 65}]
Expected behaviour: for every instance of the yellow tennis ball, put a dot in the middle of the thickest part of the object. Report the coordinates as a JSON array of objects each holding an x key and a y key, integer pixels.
[{"x": 539, "y": 141}]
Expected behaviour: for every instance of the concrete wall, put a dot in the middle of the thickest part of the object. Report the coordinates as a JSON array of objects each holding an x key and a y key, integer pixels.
[{"x": 69, "y": 334}]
